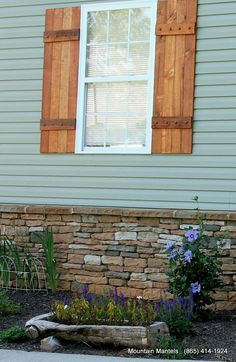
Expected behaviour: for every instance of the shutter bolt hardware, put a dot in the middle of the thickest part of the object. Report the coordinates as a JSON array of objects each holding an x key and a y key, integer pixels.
[
  {"x": 171, "y": 122},
  {"x": 176, "y": 29}
]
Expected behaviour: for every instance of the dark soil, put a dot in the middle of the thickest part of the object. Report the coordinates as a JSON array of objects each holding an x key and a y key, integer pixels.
[{"x": 216, "y": 338}]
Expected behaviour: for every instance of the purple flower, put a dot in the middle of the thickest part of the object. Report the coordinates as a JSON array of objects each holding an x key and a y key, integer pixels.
[
  {"x": 85, "y": 289},
  {"x": 195, "y": 287},
  {"x": 114, "y": 294},
  {"x": 181, "y": 248},
  {"x": 168, "y": 305},
  {"x": 191, "y": 295},
  {"x": 188, "y": 255},
  {"x": 89, "y": 297},
  {"x": 190, "y": 315},
  {"x": 173, "y": 254},
  {"x": 156, "y": 307},
  {"x": 122, "y": 298},
  {"x": 183, "y": 302},
  {"x": 66, "y": 303},
  {"x": 111, "y": 293},
  {"x": 175, "y": 300},
  {"x": 169, "y": 245},
  {"x": 192, "y": 235}
]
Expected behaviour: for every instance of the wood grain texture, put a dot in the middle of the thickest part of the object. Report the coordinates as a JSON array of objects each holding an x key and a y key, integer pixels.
[
  {"x": 61, "y": 61},
  {"x": 174, "y": 74}
]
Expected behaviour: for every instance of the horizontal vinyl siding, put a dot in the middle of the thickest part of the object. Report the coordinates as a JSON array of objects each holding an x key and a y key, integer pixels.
[{"x": 142, "y": 181}]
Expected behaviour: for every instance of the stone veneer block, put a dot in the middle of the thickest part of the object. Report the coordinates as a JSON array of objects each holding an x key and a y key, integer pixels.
[
  {"x": 138, "y": 276},
  {"x": 92, "y": 259},
  {"x": 171, "y": 237},
  {"x": 124, "y": 235},
  {"x": 112, "y": 260}
]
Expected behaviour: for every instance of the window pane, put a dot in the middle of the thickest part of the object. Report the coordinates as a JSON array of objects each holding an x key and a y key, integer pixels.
[
  {"x": 97, "y": 26},
  {"x": 139, "y": 58},
  {"x": 117, "y": 60},
  {"x": 118, "y": 25},
  {"x": 140, "y": 24},
  {"x": 118, "y": 42},
  {"x": 95, "y": 131},
  {"x": 116, "y": 114},
  {"x": 96, "y": 60}
]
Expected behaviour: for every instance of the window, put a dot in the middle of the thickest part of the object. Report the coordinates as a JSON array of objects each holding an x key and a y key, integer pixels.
[{"x": 116, "y": 77}]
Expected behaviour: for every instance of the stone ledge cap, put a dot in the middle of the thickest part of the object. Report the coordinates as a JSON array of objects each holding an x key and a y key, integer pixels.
[{"x": 135, "y": 212}]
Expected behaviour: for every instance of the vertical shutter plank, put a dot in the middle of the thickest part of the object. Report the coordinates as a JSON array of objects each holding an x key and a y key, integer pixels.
[
  {"x": 176, "y": 140},
  {"x": 73, "y": 80},
  {"x": 64, "y": 81},
  {"x": 56, "y": 81},
  {"x": 61, "y": 140},
  {"x": 46, "y": 105},
  {"x": 65, "y": 66},
  {"x": 53, "y": 141},
  {"x": 64, "y": 89},
  {"x": 60, "y": 99},
  {"x": 174, "y": 75},
  {"x": 189, "y": 69},
  {"x": 70, "y": 144}
]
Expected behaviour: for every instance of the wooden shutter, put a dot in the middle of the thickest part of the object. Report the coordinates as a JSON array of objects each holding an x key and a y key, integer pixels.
[
  {"x": 174, "y": 76},
  {"x": 60, "y": 80}
]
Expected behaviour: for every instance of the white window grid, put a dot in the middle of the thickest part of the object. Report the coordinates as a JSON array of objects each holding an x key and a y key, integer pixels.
[{"x": 85, "y": 80}]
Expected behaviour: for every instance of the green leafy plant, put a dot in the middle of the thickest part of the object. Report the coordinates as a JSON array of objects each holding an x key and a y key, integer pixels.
[
  {"x": 195, "y": 267},
  {"x": 49, "y": 253},
  {"x": 10, "y": 248},
  {"x": 17, "y": 264},
  {"x": 171, "y": 348},
  {"x": 7, "y": 307},
  {"x": 9, "y": 253},
  {"x": 177, "y": 313},
  {"x": 13, "y": 334}
]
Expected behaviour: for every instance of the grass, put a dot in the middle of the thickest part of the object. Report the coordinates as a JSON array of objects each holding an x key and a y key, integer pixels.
[{"x": 7, "y": 306}]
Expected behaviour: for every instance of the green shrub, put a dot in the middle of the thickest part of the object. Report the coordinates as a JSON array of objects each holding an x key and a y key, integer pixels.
[
  {"x": 13, "y": 334},
  {"x": 6, "y": 305},
  {"x": 177, "y": 314},
  {"x": 193, "y": 269}
]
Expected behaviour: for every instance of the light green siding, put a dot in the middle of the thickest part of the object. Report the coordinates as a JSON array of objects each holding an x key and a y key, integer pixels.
[{"x": 146, "y": 181}]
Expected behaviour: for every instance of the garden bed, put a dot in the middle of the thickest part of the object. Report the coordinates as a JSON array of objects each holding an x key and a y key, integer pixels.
[
  {"x": 216, "y": 334},
  {"x": 119, "y": 336}
]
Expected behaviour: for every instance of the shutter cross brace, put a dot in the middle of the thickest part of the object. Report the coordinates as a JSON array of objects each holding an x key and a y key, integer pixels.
[
  {"x": 57, "y": 124},
  {"x": 176, "y": 29},
  {"x": 61, "y": 35},
  {"x": 171, "y": 122}
]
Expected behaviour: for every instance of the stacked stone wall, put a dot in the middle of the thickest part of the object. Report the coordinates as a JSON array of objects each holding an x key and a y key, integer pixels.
[{"x": 121, "y": 248}]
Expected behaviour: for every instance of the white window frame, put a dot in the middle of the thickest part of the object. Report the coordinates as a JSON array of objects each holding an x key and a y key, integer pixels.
[{"x": 83, "y": 80}]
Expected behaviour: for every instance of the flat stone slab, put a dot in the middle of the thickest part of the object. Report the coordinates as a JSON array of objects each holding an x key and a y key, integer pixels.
[{"x": 123, "y": 336}]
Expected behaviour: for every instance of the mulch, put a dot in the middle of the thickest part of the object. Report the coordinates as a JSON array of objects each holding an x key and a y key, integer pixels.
[{"x": 213, "y": 340}]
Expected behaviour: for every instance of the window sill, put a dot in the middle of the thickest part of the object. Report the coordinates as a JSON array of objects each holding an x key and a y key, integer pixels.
[{"x": 115, "y": 151}]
